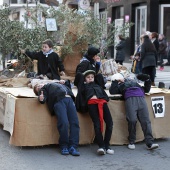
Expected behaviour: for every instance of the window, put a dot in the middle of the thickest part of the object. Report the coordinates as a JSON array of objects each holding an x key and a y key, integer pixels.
[{"x": 165, "y": 21}]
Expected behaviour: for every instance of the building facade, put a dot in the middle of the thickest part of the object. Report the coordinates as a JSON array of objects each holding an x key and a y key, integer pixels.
[{"x": 147, "y": 15}]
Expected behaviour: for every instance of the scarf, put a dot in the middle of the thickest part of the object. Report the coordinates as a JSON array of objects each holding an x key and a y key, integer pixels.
[
  {"x": 100, "y": 103},
  {"x": 47, "y": 53}
]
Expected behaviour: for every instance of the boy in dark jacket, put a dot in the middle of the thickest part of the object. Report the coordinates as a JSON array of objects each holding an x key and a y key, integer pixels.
[
  {"x": 59, "y": 99},
  {"x": 135, "y": 106},
  {"x": 49, "y": 63},
  {"x": 96, "y": 100}
]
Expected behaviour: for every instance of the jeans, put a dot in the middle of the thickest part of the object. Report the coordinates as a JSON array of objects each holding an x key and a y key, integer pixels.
[
  {"x": 94, "y": 114},
  {"x": 67, "y": 122}
]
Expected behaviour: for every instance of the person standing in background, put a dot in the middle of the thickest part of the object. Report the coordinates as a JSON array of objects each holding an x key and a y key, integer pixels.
[
  {"x": 120, "y": 54},
  {"x": 162, "y": 50}
]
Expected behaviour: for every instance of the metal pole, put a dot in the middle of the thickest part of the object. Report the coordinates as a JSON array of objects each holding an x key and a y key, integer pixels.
[
  {"x": 27, "y": 14},
  {"x": 36, "y": 12}
]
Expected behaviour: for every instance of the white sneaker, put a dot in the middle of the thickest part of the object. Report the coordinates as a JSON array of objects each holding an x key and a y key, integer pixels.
[
  {"x": 131, "y": 146},
  {"x": 110, "y": 151},
  {"x": 153, "y": 146},
  {"x": 101, "y": 151}
]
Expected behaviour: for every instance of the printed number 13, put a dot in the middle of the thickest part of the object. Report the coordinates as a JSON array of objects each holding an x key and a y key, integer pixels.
[{"x": 158, "y": 107}]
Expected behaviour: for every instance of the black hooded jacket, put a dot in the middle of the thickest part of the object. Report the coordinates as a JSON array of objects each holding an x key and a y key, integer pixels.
[{"x": 54, "y": 92}]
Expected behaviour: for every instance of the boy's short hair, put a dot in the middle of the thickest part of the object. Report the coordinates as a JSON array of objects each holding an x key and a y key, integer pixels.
[
  {"x": 48, "y": 42},
  {"x": 86, "y": 73},
  {"x": 35, "y": 89}
]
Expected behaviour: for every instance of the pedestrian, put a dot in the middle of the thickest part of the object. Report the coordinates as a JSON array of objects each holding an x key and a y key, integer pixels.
[
  {"x": 136, "y": 63},
  {"x": 162, "y": 51},
  {"x": 96, "y": 100},
  {"x": 120, "y": 53},
  {"x": 148, "y": 56},
  {"x": 49, "y": 63},
  {"x": 59, "y": 99},
  {"x": 154, "y": 39},
  {"x": 90, "y": 61},
  {"x": 135, "y": 106}
]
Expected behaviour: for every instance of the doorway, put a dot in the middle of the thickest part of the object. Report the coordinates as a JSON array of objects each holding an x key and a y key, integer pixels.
[{"x": 140, "y": 23}]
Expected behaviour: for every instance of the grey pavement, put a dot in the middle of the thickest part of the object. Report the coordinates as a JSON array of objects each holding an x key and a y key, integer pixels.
[{"x": 49, "y": 157}]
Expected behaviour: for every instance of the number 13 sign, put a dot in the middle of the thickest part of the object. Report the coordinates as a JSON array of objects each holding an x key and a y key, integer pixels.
[{"x": 158, "y": 105}]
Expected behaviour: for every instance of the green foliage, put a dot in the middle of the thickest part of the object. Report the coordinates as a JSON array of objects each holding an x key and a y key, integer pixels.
[{"x": 75, "y": 30}]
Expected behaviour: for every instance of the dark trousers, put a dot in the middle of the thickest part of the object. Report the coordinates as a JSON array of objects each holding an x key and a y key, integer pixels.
[
  {"x": 94, "y": 114},
  {"x": 120, "y": 62},
  {"x": 67, "y": 122},
  {"x": 151, "y": 71},
  {"x": 136, "y": 108}
]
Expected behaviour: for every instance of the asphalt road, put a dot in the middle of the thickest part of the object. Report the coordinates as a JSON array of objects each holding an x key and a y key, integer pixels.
[{"x": 49, "y": 157}]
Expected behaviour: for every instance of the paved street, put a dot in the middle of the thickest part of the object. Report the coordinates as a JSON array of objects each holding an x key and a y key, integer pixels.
[{"x": 48, "y": 157}]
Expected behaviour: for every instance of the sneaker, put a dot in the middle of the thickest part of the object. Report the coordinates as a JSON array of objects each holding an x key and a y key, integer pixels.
[
  {"x": 73, "y": 151},
  {"x": 131, "y": 146},
  {"x": 64, "y": 151},
  {"x": 101, "y": 151},
  {"x": 153, "y": 146},
  {"x": 110, "y": 151}
]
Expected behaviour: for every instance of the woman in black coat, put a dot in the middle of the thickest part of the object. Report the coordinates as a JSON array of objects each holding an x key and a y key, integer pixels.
[
  {"x": 148, "y": 58},
  {"x": 120, "y": 54}
]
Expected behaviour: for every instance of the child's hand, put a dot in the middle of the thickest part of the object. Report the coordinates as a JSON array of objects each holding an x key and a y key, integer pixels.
[
  {"x": 41, "y": 97},
  {"x": 62, "y": 73},
  {"x": 62, "y": 81},
  {"x": 120, "y": 80},
  {"x": 98, "y": 59}
]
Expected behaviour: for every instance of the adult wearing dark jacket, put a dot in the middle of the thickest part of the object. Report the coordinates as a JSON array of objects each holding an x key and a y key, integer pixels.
[
  {"x": 59, "y": 99},
  {"x": 120, "y": 53},
  {"x": 49, "y": 63},
  {"x": 135, "y": 106},
  {"x": 148, "y": 58},
  {"x": 95, "y": 98},
  {"x": 162, "y": 50}
]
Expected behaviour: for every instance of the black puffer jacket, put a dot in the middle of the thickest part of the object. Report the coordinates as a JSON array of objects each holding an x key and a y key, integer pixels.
[
  {"x": 120, "y": 54},
  {"x": 54, "y": 92}
]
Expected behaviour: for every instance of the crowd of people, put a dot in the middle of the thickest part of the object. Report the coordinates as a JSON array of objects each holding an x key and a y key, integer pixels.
[
  {"x": 150, "y": 54},
  {"x": 91, "y": 96}
]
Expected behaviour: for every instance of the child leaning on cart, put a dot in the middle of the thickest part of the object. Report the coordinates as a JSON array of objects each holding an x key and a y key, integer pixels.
[
  {"x": 96, "y": 100},
  {"x": 135, "y": 106}
]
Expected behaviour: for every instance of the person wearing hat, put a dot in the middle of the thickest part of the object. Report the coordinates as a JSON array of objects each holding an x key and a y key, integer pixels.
[
  {"x": 135, "y": 106},
  {"x": 90, "y": 61},
  {"x": 96, "y": 100}
]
